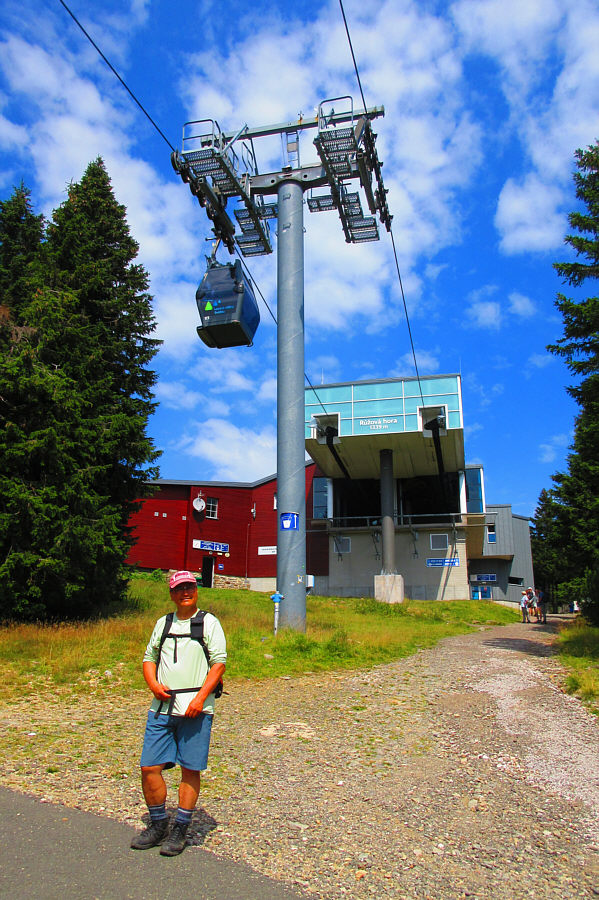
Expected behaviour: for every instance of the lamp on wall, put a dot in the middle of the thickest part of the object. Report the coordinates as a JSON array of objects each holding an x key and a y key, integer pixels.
[{"x": 253, "y": 511}]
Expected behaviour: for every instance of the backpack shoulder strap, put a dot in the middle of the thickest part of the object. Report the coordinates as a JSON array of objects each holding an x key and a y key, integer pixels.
[
  {"x": 196, "y": 627},
  {"x": 168, "y": 621}
]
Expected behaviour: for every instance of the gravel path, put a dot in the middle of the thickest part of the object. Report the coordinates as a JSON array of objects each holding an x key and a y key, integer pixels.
[{"x": 462, "y": 771}]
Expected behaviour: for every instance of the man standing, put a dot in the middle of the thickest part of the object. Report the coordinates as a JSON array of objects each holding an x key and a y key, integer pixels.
[
  {"x": 183, "y": 666},
  {"x": 524, "y": 606},
  {"x": 542, "y": 607}
]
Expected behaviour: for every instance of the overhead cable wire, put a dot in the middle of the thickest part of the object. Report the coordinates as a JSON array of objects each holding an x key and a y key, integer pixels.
[
  {"x": 114, "y": 71},
  {"x": 166, "y": 140},
  {"x": 274, "y": 318},
  {"x": 405, "y": 306},
  {"x": 352, "y": 53},
  {"x": 390, "y": 229}
]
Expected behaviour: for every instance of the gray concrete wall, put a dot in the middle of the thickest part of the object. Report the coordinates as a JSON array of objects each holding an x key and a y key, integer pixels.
[{"x": 352, "y": 574}]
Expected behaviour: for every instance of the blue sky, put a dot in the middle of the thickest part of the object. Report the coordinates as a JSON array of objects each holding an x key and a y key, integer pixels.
[{"x": 485, "y": 103}]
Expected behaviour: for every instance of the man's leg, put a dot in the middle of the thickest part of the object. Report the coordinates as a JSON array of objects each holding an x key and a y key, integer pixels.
[
  {"x": 154, "y": 789},
  {"x": 153, "y": 785},
  {"x": 189, "y": 790},
  {"x": 159, "y": 751}
]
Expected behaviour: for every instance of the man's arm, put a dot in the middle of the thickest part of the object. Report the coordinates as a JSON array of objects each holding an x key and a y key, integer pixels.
[
  {"x": 160, "y": 691},
  {"x": 196, "y": 707}
]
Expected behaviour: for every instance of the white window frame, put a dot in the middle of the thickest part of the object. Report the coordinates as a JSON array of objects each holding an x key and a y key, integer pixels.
[
  {"x": 212, "y": 507},
  {"x": 440, "y": 535},
  {"x": 342, "y": 543}
]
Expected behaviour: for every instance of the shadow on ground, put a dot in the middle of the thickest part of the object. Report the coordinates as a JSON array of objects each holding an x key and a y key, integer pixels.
[{"x": 535, "y": 640}]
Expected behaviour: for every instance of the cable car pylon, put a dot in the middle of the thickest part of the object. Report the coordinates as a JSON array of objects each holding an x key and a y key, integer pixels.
[{"x": 218, "y": 167}]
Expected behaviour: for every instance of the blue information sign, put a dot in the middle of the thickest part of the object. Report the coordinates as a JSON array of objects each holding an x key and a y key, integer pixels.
[
  {"x": 289, "y": 522},
  {"x": 214, "y": 546},
  {"x": 433, "y": 563}
]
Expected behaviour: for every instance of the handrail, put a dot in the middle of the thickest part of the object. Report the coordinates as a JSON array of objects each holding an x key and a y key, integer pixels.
[{"x": 400, "y": 521}]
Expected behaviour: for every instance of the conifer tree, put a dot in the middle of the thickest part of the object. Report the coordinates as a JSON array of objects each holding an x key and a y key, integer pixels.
[
  {"x": 547, "y": 540},
  {"x": 75, "y": 397},
  {"x": 577, "y": 489},
  {"x": 20, "y": 241}
]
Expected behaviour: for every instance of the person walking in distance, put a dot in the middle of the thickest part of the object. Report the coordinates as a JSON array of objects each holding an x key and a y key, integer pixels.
[
  {"x": 183, "y": 667},
  {"x": 524, "y": 606}
]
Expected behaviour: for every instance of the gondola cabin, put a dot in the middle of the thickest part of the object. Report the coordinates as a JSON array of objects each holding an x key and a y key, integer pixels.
[{"x": 227, "y": 306}]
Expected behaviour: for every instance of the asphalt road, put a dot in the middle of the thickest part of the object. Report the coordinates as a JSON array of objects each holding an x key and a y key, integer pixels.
[{"x": 56, "y": 853}]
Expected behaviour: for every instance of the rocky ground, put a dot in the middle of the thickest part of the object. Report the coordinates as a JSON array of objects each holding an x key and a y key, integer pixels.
[{"x": 462, "y": 771}]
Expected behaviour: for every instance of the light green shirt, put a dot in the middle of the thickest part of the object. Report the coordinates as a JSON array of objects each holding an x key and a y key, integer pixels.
[{"x": 191, "y": 667}]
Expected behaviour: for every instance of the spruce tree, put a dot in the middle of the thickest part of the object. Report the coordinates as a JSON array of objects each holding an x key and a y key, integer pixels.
[
  {"x": 547, "y": 540},
  {"x": 20, "y": 241},
  {"x": 76, "y": 396},
  {"x": 577, "y": 489}
]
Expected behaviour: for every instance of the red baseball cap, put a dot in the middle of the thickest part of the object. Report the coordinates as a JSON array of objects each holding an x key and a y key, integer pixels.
[{"x": 182, "y": 577}]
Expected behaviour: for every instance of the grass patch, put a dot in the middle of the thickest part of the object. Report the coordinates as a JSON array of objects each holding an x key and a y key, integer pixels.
[
  {"x": 342, "y": 633},
  {"x": 578, "y": 645}
]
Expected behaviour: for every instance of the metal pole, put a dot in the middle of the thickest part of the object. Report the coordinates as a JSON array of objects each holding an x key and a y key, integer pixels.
[
  {"x": 387, "y": 507},
  {"x": 291, "y": 478}
]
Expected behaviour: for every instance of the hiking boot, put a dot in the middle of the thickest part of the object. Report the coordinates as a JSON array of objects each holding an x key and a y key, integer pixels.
[
  {"x": 151, "y": 836},
  {"x": 175, "y": 843}
]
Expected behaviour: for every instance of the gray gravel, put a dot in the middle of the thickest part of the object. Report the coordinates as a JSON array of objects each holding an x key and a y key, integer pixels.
[{"x": 462, "y": 771}]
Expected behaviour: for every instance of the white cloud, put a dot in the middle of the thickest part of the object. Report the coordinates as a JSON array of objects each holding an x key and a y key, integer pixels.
[
  {"x": 177, "y": 317},
  {"x": 528, "y": 216},
  {"x": 324, "y": 369},
  {"x": 233, "y": 453},
  {"x": 486, "y": 394},
  {"x": 554, "y": 448},
  {"x": 549, "y": 72},
  {"x": 427, "y": 361},
  {"x": 485, "y": 314},
  {"x": 540, "y": 360},
  {"x": 176, "y": 395},
  {"x": 472, "y": 429},
  {"x": 521, "y": 305},
  {"x": 267, "y": 392}
]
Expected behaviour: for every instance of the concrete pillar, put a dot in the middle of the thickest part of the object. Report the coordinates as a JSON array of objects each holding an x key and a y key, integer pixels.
[
  {"x": 388, "y": 586},
  {"x": 387, "y": 509}
]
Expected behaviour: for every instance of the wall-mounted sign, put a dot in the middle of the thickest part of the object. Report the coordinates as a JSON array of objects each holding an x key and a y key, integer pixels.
[
  {"x": 289, "y": 522},
  {"x": 267, "y": 551},
  {"x": 382, "y": 423},
  {"x": 434, "y": 563},
  {"x": 221, "y": 567},
  {"x": 486, "y": 577},
  {"x": 214, "y": 546}
]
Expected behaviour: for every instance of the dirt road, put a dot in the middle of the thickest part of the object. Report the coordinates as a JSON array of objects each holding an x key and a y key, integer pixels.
[{"x": 462, "y": 771}]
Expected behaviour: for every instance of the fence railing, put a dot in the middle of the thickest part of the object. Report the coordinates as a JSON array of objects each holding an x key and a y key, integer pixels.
[{"x": 406, "y": 521}]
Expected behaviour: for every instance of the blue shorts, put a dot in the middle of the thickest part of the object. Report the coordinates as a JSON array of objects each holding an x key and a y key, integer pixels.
[{"x": 176, "y": 740}]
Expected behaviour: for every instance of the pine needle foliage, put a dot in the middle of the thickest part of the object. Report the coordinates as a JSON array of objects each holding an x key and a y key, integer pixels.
[
  {"x": 566, "y": 531},
  {"x": 76, "y": 341}
]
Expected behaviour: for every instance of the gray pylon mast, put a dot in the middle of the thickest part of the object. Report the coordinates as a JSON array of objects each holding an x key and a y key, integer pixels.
[{"x": 220, "y": 166}]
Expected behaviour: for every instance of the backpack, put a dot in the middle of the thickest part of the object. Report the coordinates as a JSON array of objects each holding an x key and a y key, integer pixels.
[{"x": 196, "y": 632}]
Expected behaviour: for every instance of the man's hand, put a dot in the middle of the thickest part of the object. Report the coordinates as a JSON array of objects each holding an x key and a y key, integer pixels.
[
  {"x": 160, "y": 691},
  {"x": 195, "y": 708}
]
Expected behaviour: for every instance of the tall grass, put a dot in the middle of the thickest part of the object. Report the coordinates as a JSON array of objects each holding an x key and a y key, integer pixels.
[
  {"x": 579, "y": 652},
  {"x": 341, "y": 634}
]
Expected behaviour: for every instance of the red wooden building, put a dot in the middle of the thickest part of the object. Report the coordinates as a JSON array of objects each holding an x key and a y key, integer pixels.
[{"x": 226, "y": 531}]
